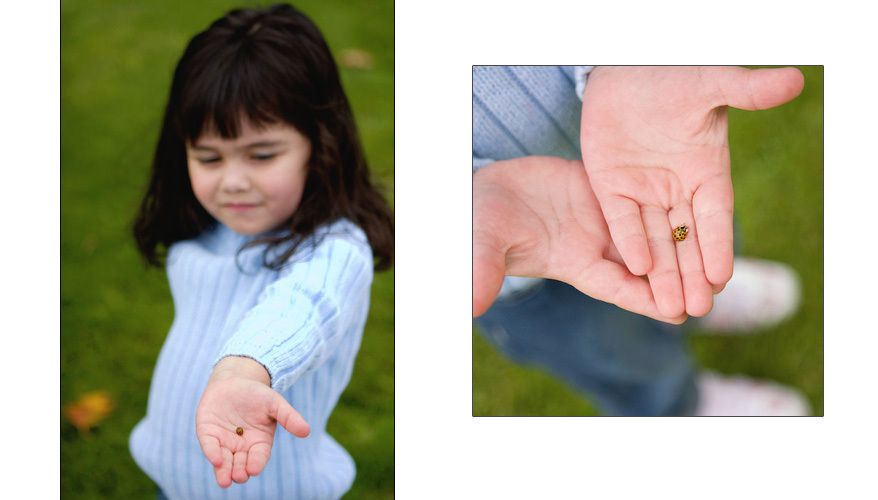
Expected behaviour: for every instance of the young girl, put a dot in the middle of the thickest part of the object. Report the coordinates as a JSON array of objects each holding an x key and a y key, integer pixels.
[{"x": 261, "y": 204}]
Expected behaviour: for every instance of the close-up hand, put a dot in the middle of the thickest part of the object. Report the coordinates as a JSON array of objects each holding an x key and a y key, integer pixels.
[
  {"x": 537, "y": 216},
  {"x": 655, "y": 146},
  {"x": 238, "y": 397}
]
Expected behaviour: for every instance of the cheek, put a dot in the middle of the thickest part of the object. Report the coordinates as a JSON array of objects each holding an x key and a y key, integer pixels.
[
  {"x": 201, "y": 186},
  {"x": 286, "y": 187}
]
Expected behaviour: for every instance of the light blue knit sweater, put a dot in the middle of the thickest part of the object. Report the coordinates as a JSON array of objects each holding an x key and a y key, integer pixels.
[{"x": 303, "y": 323}]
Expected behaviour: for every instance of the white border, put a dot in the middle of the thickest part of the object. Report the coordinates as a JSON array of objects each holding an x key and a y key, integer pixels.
[{"x": 30, "y": 249}]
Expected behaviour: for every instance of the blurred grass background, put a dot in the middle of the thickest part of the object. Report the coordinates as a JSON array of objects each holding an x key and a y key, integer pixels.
[
  {"x": 777, "y": 171},
  {"x": 117, "y": 59}
]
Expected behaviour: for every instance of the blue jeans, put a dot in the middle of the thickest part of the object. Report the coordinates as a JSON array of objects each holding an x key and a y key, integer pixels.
[{"x": 626, "y": 363}]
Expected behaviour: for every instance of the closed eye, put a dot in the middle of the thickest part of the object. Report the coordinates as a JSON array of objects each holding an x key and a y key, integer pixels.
[
  {"x": 264, "y": 157},
  {"x": 206, "y": 161}
]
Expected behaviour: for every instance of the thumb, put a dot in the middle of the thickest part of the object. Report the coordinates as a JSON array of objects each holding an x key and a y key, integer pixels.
[
  {"x": 755, "y": 89},
  {"x": 288, "y": 418},
  {"x": 489, "y": 266}
]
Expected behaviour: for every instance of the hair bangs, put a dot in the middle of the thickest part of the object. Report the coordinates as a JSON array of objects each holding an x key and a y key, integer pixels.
[{"x": 225, "y": 93}]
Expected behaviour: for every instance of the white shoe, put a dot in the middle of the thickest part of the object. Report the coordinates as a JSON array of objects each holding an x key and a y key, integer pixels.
[
  {"x": 720, "y": 395},
  {"x": 761, "y": 294},
  {"x": 514, "y": 286}
]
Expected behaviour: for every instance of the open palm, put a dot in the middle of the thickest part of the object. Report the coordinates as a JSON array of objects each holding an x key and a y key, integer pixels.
[
  {"x": 655, "y": 145},
  {"x": 234, "y": 402},
  {"x": 537, "y": 216}
]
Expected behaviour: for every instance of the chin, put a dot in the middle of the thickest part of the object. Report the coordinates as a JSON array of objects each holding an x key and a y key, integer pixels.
[
  {"x": 245, "y": 229},
  {"x": 249, "y": 231}
]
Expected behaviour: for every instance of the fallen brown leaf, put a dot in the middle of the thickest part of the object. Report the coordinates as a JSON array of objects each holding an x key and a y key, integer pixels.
[{"x": 89, "y": 410}]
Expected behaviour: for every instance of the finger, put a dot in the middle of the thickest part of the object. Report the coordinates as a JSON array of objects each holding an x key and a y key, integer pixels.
[
  {"x": 613, "y": 255},
  {"x": 664, "y": 277},
  {"x": 611, "y": 282},
  {"x": 489, "y": 266},
  {"x": 718, "y": 288},
  {"x": 626, "y": 229},
  {"x": 239, "y": 463},
  {"x": 754, "y": 89},
  {"x": 257, "y": 457},
  {"x": 224, "y": 472},
  {"x": 211, "y": 448},
  {"x": 712, "y": 206},
  {"x": 697, "y": 291},
  {"x": 288, "y": 418}
]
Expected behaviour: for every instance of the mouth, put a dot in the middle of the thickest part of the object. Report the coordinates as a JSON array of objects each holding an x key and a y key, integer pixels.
[{"x": 240, "y": 207}]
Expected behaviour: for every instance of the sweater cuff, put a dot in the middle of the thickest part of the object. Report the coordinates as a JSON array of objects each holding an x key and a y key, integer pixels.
[
  {"x": 580, "y": 74},
  {"x": 224, "y": 356},
  {"x": 287, "y": 356},
  {"x": 284, "y": 368},
  {"x": 480, "y": 163}
]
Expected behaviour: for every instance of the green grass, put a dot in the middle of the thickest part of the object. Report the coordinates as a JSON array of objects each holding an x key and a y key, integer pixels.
[
  {"x": 777, "y": 170},
  {"x": 117, "y": 60}
]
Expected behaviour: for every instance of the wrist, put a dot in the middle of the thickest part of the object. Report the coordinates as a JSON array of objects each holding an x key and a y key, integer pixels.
[{"x": 241, "y": 367}]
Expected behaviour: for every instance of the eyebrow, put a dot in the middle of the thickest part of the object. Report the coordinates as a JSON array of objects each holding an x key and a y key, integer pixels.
[{"x": 259, "y": 144}]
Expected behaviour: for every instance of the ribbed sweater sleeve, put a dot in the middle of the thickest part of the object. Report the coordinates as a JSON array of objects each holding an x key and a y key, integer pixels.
[
  {"x": 526, "y": 110},
  {"x": 300, "y": 318}
]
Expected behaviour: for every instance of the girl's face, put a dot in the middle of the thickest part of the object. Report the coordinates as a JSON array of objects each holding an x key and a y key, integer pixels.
[{"x": 253, "y": 183}]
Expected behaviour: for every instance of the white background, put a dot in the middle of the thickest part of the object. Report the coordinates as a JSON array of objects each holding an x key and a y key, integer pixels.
[{"x": 441, "y": 451}]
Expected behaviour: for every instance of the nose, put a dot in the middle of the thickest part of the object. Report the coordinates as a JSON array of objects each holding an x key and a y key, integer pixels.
[{"x": 235, "y": 178}]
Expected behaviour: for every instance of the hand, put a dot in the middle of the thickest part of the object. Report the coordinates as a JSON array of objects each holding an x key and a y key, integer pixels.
[
  {"x": 655, "y": 145},
  {"x": 537, "y": 216},
  {"x": 238, "y": 395}
]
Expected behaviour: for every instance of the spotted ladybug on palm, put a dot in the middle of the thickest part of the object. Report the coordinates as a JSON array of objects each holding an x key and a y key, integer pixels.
[{"x": 680, "y": 232}]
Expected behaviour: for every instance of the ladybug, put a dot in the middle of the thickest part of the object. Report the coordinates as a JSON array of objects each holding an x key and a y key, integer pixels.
[
  {"x": 239, "y": 431},
  {"x": 680, "y": 232}
]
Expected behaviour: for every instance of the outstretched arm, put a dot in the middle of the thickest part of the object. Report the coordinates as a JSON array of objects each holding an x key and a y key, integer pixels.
[{"x": 295, "y": 326}]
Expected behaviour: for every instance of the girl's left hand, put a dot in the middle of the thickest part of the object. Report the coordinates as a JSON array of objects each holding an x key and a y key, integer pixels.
[{"x": 238, "y": 397}]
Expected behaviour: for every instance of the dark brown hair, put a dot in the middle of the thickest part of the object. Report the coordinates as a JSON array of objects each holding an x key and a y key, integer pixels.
[{"x": 267, "y": 66}]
